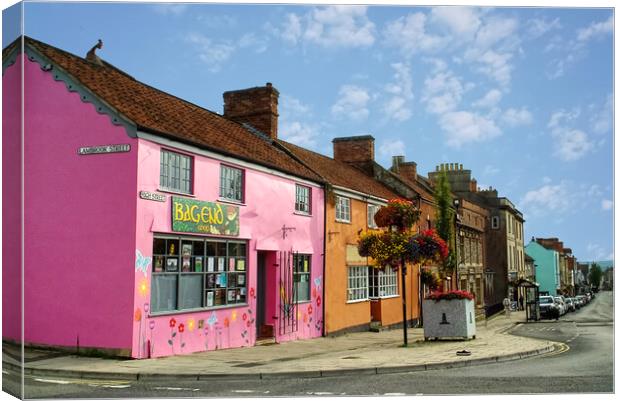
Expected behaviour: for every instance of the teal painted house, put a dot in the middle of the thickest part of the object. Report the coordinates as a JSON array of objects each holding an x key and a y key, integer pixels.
[{"x": 547, "y": 262}]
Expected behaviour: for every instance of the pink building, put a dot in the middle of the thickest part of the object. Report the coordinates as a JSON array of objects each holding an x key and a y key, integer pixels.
[{"x": 151, "y": 226}]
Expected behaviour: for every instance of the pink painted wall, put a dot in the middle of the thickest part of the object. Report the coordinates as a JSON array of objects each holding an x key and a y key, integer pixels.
[
  {"x": 11, "y": 202},
  {"x": 80, "y": 221},
  {"x": 269, "y": 205}
]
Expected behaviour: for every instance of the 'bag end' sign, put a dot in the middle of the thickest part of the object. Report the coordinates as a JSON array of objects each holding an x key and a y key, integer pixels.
[{"x": 194, "y": 216}]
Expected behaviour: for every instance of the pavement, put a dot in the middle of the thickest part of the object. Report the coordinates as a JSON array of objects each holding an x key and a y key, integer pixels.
[{"x": 349, "y": 354}]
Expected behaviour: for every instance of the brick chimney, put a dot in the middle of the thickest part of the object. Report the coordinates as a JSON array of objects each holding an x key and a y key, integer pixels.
[
  {"x": 257, "y": 107},
  {"x": 409, "y": 170},
  {"x": 354, "y": 149}
]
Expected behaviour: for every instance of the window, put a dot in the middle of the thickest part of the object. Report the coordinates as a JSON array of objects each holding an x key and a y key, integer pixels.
[
  {"x": 301, "y": 276},
  {"x": 358, "y": 283},
  {"x": 382, "y": 283},
  {"x": 302, "y": 199},
  {"x": 343, "y": 209},
  {"x": 231, "y": 183},
  {"x": 175, "y": 172},
  {"x": 495, "y": 222},
  {"x": 192, "y": 273},
  {"x": 372, "y": 210}
]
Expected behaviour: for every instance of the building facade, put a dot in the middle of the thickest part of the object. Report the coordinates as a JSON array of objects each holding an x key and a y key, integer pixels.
[
  {"x": 154, "y": 218},
  {"x": 547, "y": 266}
]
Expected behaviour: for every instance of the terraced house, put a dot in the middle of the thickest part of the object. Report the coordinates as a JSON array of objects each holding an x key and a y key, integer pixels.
[{"x": 171, "y": 226}]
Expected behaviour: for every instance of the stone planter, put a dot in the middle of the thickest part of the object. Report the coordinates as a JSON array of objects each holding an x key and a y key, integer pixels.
[{"x": 449, "y": 319}]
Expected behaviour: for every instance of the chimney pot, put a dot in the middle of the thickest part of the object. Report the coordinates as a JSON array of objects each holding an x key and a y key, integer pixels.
[
  {"x": 257, "y": 107},
  {"x": 354, "y": 149}
]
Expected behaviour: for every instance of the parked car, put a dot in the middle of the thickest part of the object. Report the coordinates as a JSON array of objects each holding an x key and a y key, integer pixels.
[
  {"x": 576, "y": 302},
  {"x": 588, "y": 297},
  {"x": 581, "y": 299},
  {"x": 561, "y": 304},
  {"x": 548, "y": 307},
  {"x": 570, "y": 304}
]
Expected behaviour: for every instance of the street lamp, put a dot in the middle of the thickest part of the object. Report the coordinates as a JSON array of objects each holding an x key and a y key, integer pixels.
[{"x": 456, "y": 204}]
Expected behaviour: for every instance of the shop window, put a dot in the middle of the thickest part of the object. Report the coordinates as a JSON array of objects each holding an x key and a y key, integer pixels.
[
  {"x": 192, "y": 273},
  {"x": 382, "y": 283},
  {"x": 231, "y": 183},
  {"x": 372, "y": 210},
  {"x": 357, "y": 289},
  {"x": 302, "y": 199},
  {"x": 175, "y": 172},
  {"x": 343, "y": 209},
  {"x": 301, "y": 276}
]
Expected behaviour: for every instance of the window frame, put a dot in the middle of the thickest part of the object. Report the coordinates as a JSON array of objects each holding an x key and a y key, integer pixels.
[
  {"x": 298, "y": 259},
  {"x": 240, "y": 292},
  {"x": 361, "y": 279},
  {"x": 339, "y": 210},
  {"x": 370, "y": 221},
  {"x": 382, "y": 280},
  {"x": 299, "y": 187},
  {"x": 169, "y": 169},
  {"x": 224, "y": 167}
]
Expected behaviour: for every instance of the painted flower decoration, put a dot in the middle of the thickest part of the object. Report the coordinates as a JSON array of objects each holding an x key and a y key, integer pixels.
[
  {"x": 137, "y": 316},
  {"x": 309, "y": 309},
  {"x": 305, "y": 318},
  {"x": 191, "y": 323},
  {"x": 181, "y": 328},
  {"x": 152, "y": 324},
  {"x": 313, "y": 292},
  {"x": 244, "y": 316},
  {"x": 318, "y": 301},
  {"x": 173, "y": 322},
  {"x": 233, "y": 316},
  {"x": 226, "y": 322},
  {"x": 252, "y": 292},
  {"x": 248, "y": 323},
  {"x": 146, "y": 308}
]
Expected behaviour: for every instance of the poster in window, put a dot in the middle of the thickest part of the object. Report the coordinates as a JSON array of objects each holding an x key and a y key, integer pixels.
[
  {"x": 220, "y": 264},
  {"x": 305, "y": 265},
  {"x": 198, "y": 264},
  {"x": 210, "y": 280},
  {"x": 241, "y": 264},
  {"x": 243, "y": 291},
  {"x": 223, "y": 280},
  {"x": 219, "y": 297},
  {"x": 231, "y": 296},
  {"x": 210, "y": 264},
  {"x": 209, "y": 298},
  {"x": 186, "y": 255},
  {"x": 172, "y": 264},
  {"x": 238, "y": 295},
  {"x": 241, "y": 280},
  {"x": 159, "y": 263},
  {"x": 231, "y": 264},
  {"x": 232, "y": 280}
]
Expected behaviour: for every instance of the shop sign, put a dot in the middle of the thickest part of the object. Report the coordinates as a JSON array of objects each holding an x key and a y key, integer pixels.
[
  {"x": 93, "y": 150},
  {"x": 194, "y": 216},
  {"x": 152, "y": 196}
]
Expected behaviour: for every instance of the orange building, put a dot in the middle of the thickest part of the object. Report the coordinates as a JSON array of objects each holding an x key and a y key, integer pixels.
[{"x": 357, "y": 296}]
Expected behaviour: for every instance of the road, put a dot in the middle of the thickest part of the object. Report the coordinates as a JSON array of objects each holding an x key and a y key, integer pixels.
[{"x": 585, "y": 365}]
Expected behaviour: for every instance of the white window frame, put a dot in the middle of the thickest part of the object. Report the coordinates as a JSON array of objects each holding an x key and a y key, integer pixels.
[
  {"x": 174, "y": 166},
  {"x": 343, "y": 209},
  {"x": 382, "y": 283},
  {"x": 357, "y": 284},
  {"x": 225, "y": 174},
  {"x": 301, "y": 200},
  {"x": 370, "y": 215}
]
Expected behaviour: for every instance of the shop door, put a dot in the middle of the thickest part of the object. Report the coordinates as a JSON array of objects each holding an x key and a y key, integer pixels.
[{"x": 265, "y": 274}]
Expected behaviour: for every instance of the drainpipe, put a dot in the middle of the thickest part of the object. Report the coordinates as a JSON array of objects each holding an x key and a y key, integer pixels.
[{"x": 324, "y": 253}]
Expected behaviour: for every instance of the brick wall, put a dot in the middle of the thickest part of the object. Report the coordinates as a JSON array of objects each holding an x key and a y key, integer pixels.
[
  {"x": 255, "y": 106},
  {"x": 354, "y": 149}
]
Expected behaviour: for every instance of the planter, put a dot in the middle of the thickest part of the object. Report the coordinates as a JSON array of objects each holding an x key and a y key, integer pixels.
[{"x": 449, "y": 319}]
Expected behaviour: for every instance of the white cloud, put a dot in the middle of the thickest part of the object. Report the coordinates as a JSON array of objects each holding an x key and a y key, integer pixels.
[
  {"x": 490, "y": 170},
  {"x": 548, "y": 199},
  {"x": 170, "y": 9},
  {"x": 596, "y": 30},
  {"x": 537, "y": 27},
  {"x": 410, "y": 35},
  {"x": 352, "y": 103},
  {"x": 462, "y": 22},
  {"x": 331, "y": 27},
  {"x": 515, "y": 117},
  {"x": 602, "y": 120},
  {"x": 211, "y": 53},
  {"x": 291, "y": 107},
  {"x": 489, "y": 100},
  {"x": 494, "y": 31},
  {"x": 442, "y": 92},
  {"x": 400, "y": 94},
  {"x": 597, "y": 252},
  {"x": 494, "y": 65},
  {"x": 250, "y": 40},
  {"x": 461, "y": 127},
  {"x": 299, "y": 133},
  {"x": 392, "y": 148},
  {"x": 570, "y": 144},
  {"x": 607, "y": 204}
]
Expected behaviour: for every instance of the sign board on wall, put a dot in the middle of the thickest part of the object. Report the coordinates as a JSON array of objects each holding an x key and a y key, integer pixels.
[
  {"x": 353, "y": 257},
  {"x": 194, "y": 216},
  {"x": 152, "y": 196},
  {"x": 94, "y": 150}
]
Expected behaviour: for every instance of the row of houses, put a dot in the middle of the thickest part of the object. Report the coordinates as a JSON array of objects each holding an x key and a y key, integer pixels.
[{"x": 152, "y": 226}]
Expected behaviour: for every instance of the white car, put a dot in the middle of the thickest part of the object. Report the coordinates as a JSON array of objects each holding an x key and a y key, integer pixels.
[{"x": 561, "y": 304}]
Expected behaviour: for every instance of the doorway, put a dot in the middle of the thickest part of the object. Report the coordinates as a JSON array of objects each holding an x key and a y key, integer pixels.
[{"x": 265, "y": 274}]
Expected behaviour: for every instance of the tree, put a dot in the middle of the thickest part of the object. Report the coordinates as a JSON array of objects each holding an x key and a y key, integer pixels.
[
  {"x": 595, "y": 275},
  {"x": 444, "y": 217}
]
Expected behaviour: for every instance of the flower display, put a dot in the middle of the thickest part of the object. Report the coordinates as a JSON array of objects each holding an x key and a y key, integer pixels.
[
  {"x": 385, "y": 247},
  {"x": 398, "y": 212},
  {"x": 457, "y": 294},
  {"x": 427, "y": 246},
  {"x": 430, "y": 279}
]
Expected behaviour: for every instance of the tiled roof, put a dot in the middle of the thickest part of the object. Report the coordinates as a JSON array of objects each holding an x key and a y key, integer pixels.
[
  {"x": 339, "y": 173},
  {"x": 157, "y": 112}
]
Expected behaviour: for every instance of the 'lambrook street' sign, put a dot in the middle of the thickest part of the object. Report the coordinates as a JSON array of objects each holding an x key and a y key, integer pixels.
[
  {"x": 94, "y": 150},
  {"x": 194, "y": 216}
]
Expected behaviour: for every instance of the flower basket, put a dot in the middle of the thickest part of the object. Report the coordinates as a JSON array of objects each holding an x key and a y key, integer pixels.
[
  {"x": 430, "y": 279},
  {"x": 398, "y": 212},
  {"x": 384, "y": 247},
  {"x": 449, "y": 315},
  {"x": 427, "y": 247}
]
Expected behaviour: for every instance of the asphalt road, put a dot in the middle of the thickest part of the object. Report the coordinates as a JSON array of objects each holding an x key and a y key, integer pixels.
[{"x": 585, "y": 365}]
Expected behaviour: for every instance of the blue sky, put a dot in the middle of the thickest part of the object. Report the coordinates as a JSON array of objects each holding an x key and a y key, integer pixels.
[{"x": 521, "y": 96}]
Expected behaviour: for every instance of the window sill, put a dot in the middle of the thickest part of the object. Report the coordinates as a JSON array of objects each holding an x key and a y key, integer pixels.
[
  {"x": 171, "y": 191},
  {"x": 385, "y": 297},
  {"x": 230, "y": 201},
  {"x": 297, "y": 213},
  {"x": 357, "y": 301},
  {"x": 343, "y": 221},
  {"x": 197, "y": 310}
]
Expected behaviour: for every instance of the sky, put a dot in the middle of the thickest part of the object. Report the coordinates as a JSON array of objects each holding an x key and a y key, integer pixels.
[{"x": 522, "y": 97}]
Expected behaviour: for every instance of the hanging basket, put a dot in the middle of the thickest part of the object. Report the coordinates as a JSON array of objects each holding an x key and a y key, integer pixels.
[
  {"x": 400, "y": 213},
  {"x": 386, "y": 248},
  {"x": 427, "y": 247}
]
